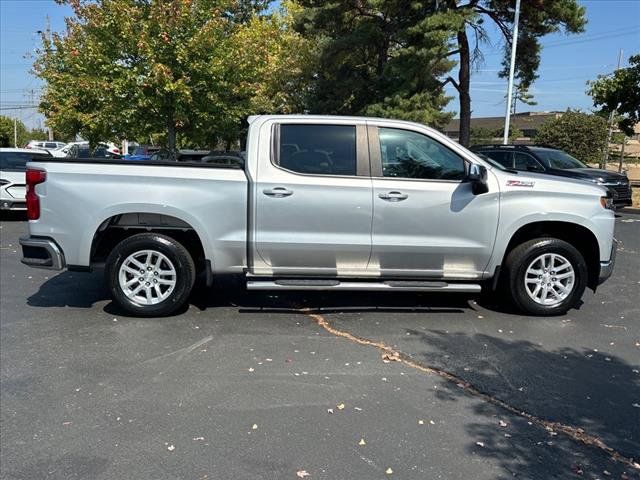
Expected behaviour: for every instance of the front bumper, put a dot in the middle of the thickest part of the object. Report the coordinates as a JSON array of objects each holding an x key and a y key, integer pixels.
[
  {"x": 42, "y": 252},
  {"x": 606, "y": 268}
]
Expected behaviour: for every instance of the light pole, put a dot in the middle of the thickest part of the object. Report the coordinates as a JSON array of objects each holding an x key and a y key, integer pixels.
[{"x": 512, "y": 67}]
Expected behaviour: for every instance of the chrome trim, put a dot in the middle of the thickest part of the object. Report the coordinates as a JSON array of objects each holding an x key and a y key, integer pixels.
[
  {"x": 56, "y": 257},
  {"x": 366, "y": 286}
]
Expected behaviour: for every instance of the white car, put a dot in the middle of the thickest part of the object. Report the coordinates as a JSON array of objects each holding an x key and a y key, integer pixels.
[
  {"x": 13, "y": 163},
  {"x": 44, "y": 144},
  {"x": 82, "y": 149}
]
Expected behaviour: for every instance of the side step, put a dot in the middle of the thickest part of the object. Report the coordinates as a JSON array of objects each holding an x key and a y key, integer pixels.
[{"x": 355, "y": 286}]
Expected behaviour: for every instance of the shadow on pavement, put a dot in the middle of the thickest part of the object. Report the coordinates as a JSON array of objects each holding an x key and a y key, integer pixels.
[
  {"x": 70, "y": 289},
  {"x": 581, "y": 388}
]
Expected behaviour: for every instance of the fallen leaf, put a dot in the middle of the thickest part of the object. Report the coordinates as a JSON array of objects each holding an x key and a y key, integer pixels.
[
  {"x": 480, "y": 444},
  {"x": 432, "y": 422},
  {"x": 340, "y": 406},
  {"x": 254, "y": 427},
  {"x": 251, "y": 369},
  {"x": 390, "y": 357},
  {"x": 329, "y": 410},
  {"x": 420, "y": 422},
  {"x": 502, "y": 423},
  {"x": 388, "y": 471},
  {"x": 302, "y": 474},
  {"x": 67, "y": 423},
  {"x": 362, "y": 442},
  {"x": 171, "y": 448}
]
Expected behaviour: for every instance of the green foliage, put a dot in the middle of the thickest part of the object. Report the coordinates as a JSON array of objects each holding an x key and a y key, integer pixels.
[
  {"x": 190, "y": 69},
  {"x": 376, "y": 57},
  {"x": 488, "y": 136},
  {"x": 580, "y": 134},
  {"x": 620, "y": 92},
  {"x": 24, "y": 134}
]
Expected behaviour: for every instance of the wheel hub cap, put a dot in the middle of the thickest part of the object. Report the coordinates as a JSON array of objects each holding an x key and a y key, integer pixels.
[
  {"x": 549, "y": 279},
  {"x": 147, "y": 277}
]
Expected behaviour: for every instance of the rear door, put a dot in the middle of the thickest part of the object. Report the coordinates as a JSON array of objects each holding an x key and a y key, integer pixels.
[
  {"x": 426, "y": 220},
  {"x": 313, "y": 200}
]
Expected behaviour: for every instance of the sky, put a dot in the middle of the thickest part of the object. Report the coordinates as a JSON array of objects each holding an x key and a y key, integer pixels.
[{"x": 568, "y": 61}]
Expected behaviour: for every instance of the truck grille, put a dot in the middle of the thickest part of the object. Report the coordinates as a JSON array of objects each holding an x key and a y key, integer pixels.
[{"x": 621, "y": 191}]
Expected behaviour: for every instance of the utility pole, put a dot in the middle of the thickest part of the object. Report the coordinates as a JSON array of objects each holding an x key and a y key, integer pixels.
[
  {"x": 610, "y": 130},
  {"x": 512, "y": 67},
  {"x": 15, "y": 132}
]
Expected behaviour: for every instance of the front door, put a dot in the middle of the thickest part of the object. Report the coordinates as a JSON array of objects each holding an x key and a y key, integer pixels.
[
  {"x": 426, "y": 220},
  {"x": 313, "y": 201}
]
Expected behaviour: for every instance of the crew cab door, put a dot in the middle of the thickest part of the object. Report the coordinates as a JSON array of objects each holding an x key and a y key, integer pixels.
[
  {"x": 313, "y": 202},
  {"x": 427, "y": 222}
]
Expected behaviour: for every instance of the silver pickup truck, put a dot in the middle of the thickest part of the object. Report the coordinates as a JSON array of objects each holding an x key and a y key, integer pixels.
[{"x": 323, "y": 203}]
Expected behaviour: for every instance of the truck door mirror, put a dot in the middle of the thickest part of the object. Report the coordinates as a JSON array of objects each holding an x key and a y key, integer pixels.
[{"x": 478, "y": 177}]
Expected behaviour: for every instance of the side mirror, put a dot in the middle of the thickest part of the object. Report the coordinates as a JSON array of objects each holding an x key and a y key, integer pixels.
[{"x": 478, "y": 177}]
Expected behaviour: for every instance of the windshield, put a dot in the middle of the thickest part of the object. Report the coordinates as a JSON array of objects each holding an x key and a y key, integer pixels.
[
  {"x": 558, "y": 159},
  {"x": 16, "y": 160}
]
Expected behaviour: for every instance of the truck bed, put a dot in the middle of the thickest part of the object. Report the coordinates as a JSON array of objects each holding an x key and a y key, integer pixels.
[{"x": 81, "y": 196}]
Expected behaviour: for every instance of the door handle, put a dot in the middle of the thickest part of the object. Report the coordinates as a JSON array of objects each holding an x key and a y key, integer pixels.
[
  {"x": 277, "y": 192},
  {"x": 393, "y": 196}
]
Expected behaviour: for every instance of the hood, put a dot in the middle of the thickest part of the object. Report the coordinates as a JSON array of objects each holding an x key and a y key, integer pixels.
[{"x": 602, "y": 176}]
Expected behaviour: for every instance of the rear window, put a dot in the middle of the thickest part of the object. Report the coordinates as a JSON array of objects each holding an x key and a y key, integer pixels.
[
  {"x": 318, "y": 149},
  {"x": 17, "y": 161}
]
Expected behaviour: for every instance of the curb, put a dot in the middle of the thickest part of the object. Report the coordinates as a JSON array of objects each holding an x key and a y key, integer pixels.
[{"x": 632, "y": 210}]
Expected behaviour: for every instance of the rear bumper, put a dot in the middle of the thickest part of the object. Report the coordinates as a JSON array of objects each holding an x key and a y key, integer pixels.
[
  {"x": 606, "y": 268},
  {"x": 42, "y": 252},
  {"x": 6, "y": 204}
]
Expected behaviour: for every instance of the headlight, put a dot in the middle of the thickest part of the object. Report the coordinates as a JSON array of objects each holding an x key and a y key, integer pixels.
[{"x": 607, "y": 202}]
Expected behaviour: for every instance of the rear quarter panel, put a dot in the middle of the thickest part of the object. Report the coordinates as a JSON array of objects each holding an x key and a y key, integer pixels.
[{"x": 78, "y": 197}]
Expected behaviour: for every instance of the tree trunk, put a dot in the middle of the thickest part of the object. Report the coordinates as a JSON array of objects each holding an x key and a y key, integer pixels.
[
  {"x": 464, "y": 83},
  {"x": 171, "y": 133}
]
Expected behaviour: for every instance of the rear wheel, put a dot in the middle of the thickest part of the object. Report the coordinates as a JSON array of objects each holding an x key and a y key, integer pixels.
[
  {"x": 546, "y": 276},
  {"x": 150, "y": 274}
]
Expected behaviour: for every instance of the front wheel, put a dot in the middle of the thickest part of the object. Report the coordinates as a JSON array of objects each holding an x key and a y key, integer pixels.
[
  {"x": 150, "y": 274},
  {"x": 546, "y": 276}
]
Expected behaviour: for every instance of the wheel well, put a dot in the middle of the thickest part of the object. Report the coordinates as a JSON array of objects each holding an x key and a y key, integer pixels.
[
  {"x": 115, "y": 229},
  {"x": 580, "y": 237}
]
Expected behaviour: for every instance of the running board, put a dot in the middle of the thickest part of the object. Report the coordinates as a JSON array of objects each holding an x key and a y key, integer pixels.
[{"x": 391, "y": 285}]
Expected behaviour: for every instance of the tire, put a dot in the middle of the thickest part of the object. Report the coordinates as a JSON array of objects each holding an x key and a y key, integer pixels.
[
  {"x": 164, "y": 271},
  {"x": 525, "y": 262}
]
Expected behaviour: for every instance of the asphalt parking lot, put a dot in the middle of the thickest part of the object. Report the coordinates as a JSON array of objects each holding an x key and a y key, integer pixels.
[{"x": 320, "y": 386}]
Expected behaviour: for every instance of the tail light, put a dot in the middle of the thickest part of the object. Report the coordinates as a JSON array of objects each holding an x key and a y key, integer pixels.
[{"x": 34, "y": 177}]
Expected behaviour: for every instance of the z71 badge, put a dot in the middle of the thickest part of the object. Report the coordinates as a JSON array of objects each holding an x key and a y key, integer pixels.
[{"x": 520, "y": 183}]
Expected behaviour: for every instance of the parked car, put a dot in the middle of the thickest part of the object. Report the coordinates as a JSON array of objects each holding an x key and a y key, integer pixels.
[
  {"x": 13, "y": 164},
  {"x": 44, "y": 144},
  {"x": 184, "y": 155},
  {"x": 557, "y": 162},
  {"x": 142, "y": 153},
  {"x": 224, "y": 157},
  {"x": 358, "y": 204},
  {"x": 102, "y": 150}
]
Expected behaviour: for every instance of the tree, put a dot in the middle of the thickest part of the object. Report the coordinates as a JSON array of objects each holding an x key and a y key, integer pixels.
[
  {"x": 521, "y": 94},
  {"x": 7, "y": 133},
  {"x": 537, "y": 18},
  {"x": 580, "y": 134},
  {"x": 23, "y": 133},
  {"x": 191, "y": 69},
  {"x": 488, "y": 136},
  {"x": 620, "y": 92},
  {"x": 376, "y": 57}
]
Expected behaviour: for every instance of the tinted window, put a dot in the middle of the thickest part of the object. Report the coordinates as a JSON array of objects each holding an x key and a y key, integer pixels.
[
  {"x": 51, "y": 145},
  {"x": 407, "y": 154},
  {"x": 17, "y": 160},
  {"x": 504, "y": 158},
  {"x": 558, "y": 159},
  {"x": 523, "y": 161},
  {"x": 318, "y": 149}
]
